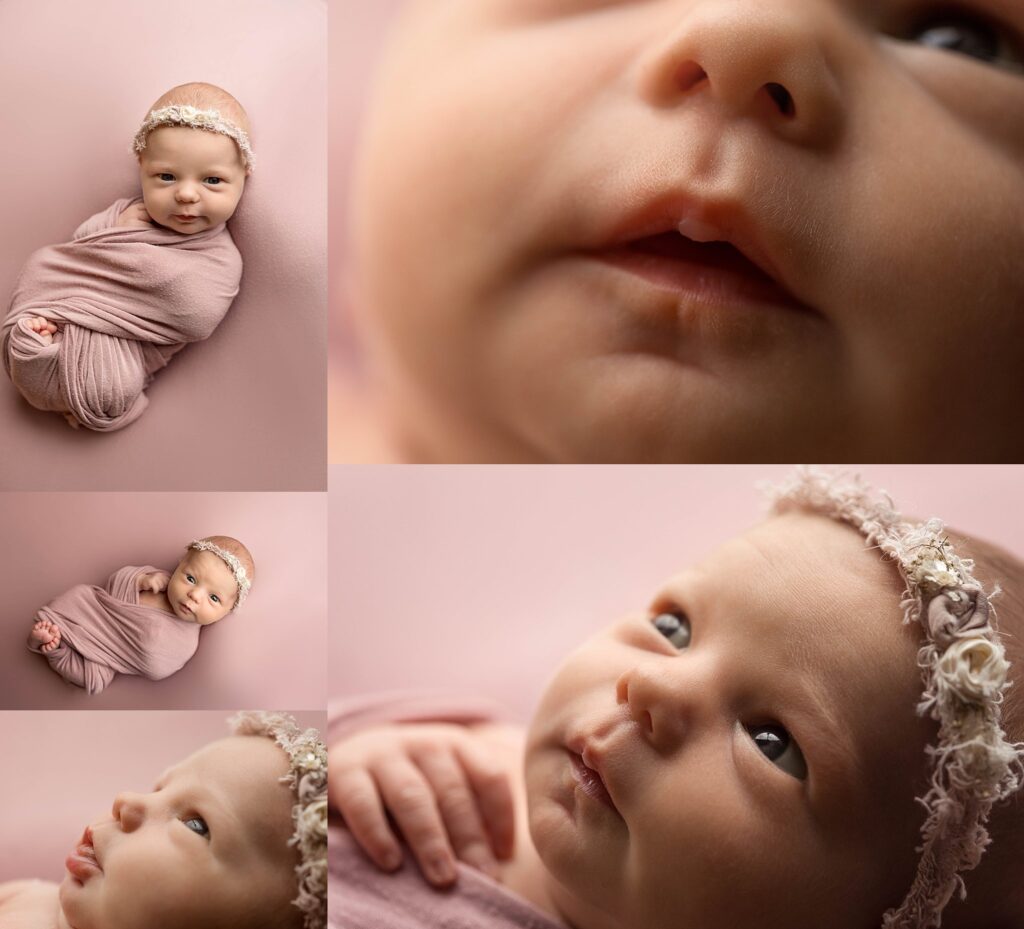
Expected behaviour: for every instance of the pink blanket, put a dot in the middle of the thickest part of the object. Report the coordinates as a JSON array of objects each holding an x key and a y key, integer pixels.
[
  {"x": 125, "y": 299},
  {"x": 107, "y": 631}
]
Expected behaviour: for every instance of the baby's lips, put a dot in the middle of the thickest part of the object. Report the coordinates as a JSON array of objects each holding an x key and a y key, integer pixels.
[{"x": 699, "y": 220}]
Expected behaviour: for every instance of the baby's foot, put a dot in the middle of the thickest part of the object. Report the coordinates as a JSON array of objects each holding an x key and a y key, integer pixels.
[
  {"x": 43, "y": 328},
  {"x": 45, "y": 634}
]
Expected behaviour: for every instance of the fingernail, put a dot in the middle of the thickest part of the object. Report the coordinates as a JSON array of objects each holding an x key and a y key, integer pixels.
[
  {"x": 441, "y": 870},
  {"x": 392, "y": 859}
]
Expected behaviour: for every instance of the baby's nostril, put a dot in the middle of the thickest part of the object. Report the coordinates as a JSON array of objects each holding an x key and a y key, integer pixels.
[
  {"x": 689, "y": 75},
  {"x": 783, "y": 99}
]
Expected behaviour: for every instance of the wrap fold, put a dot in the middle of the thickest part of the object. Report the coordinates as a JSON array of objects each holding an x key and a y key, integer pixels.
[
  {"x": 107, "y": 631},
  {"x": 125, "y": 300}
]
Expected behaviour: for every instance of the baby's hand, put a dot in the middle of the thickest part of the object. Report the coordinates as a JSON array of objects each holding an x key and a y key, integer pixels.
[
  {"x": 135, "y": 215},
  {"x": 447, "y": 797},
  {"x": 156, "y": 582},
  {"x": 42, "y": 327}
]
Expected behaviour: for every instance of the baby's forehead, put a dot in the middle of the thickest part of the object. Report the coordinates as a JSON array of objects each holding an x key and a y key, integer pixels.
[
  {"x": 177, "y": 141},
  {"x": 809, "y": 589},
  {"x": 209, "y": 564}
]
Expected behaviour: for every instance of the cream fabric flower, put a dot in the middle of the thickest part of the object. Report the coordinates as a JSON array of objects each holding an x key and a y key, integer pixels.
[{"x": 974, "y": 669}]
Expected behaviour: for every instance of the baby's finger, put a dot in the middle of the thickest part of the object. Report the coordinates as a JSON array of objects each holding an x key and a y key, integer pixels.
[
  {"x": 458, "y": 806},
  {"x": 410, "y": 801},
  {"x": 357, "y": 799},
  {"x": 493, "y": 792}
]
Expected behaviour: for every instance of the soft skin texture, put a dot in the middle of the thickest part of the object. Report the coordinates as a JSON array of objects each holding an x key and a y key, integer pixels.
[
  {"x": 159, "y": 873},
  {"x": 202, "y": 588},
  {"x": 192, "y": 173},
  {"x": 793, "y": 624},
  {"x": 511, "y": 139}
]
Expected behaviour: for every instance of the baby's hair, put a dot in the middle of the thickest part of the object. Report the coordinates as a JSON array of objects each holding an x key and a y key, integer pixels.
[
  {"x": 237, "y": 549},
  {"x": 205, "y": 96}
]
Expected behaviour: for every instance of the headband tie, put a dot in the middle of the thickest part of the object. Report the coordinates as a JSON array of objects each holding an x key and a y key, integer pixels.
[{"x": 194, "y": 118}]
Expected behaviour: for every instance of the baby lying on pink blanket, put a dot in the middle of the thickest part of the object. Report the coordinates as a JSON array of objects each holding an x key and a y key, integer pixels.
[
  {"x": 93, "y": 319},
  {"x": 809, "y": 728},
  {"x": 234, "y": 835},
  {"x": 145, "y": 621}
]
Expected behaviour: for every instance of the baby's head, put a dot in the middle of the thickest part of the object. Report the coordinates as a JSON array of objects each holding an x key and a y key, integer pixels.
[
  {"x": 527, "y": 164},
  {"x": 194, "y": 156},
  {"x": 758, "y": 743},
  {"x": 234, "y": 835},
  {"x": 212, "y": 580}
]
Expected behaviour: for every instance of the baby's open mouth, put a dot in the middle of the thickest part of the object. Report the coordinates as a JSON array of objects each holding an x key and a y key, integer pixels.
[
  {"x": 590, "y": 781},
  {"x": 713, "y": 271},
  {"x": 82, "y": 863}
]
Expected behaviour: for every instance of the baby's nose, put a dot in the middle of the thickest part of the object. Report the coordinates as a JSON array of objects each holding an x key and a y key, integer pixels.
[
  {"x": 648, "y": 693},
  {"x": 765, "y": 59},
  {"x": 187, "y": 194},
  {"x": 129, "y": 810}
]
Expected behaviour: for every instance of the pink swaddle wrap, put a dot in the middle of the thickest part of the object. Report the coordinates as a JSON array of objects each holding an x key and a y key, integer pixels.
[
  {"x": 125, "y": 299},
  {"x": 107, "y": 631}
]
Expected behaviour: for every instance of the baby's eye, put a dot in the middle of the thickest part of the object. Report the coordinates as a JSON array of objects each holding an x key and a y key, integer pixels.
[
  {"x": 190, "y": 578},
  {"x": 969, "y": 34},
  {"x": 211, "y": 180},
  {"x": 198, "y": 825},
  {"x": 780, "y": 748},
  {"x": 675, "y": 627},
  {"x": 215, "y": 598},
  {"x": 166, "y": 177}
]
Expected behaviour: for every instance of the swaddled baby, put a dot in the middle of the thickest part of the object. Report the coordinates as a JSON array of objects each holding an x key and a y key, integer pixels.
[
  {"x": 145, "y": 621},
  {"x": 744, "y": 751},
  {"x": 93, "y": 319},
  {"x": 235, "y": 835}
]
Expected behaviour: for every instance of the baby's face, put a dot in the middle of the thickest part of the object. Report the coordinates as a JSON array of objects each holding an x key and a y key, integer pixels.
[
  {"x": 192, "y": 180},
  {"x": 528, "y": 162},
  {"x": 202, "y": 588},
  {"x": 208, "y": 848},
  {"x": 757, "y": 751}
]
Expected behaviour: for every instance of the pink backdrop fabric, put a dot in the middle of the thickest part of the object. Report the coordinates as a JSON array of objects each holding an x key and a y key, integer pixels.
[
  {"x": 76, "y": 79},
  {"x": 479, "y": 580},
  {"x": 270, "y": 652},
  {"x": 63, "y": 770}
]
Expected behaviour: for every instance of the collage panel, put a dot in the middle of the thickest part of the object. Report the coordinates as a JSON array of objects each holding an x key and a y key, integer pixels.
[
  {"x": 701, "y": 231},
  {"x": 664, "y": 704},
  {"x": 146, "y": 344},
  {"x": 173, "y": 819},
  {"x": 163, "y": 600}
]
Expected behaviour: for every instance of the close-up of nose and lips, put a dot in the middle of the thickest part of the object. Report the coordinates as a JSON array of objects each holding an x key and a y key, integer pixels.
[{"x": 708, "y": 230}]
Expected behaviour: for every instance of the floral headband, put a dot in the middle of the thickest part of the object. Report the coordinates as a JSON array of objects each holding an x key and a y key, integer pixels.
[
  {"x": 237, "y": 569},
  {"x": 210, "y": 120},
  {"x": 308, "y": 779},
  {"x": 964, "y": 669}
]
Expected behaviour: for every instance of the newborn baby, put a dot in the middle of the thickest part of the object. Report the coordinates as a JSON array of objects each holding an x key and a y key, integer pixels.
[
  {"x": 145, "y": 621},
  {"x": 93, "y": 319},
  {"x": 234, "y": 835},
  {"x": 744, "y": 752},
  {"x": 695, "y": 230}
]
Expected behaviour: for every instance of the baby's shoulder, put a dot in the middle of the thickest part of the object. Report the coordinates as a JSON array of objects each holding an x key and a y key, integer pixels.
[{"x": 28, "y": 905}]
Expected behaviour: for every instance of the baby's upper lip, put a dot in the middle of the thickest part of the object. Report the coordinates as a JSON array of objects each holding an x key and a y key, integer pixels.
[
  {"x": 597, "y": 746},
  {"x": 696, "y": 218}
]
